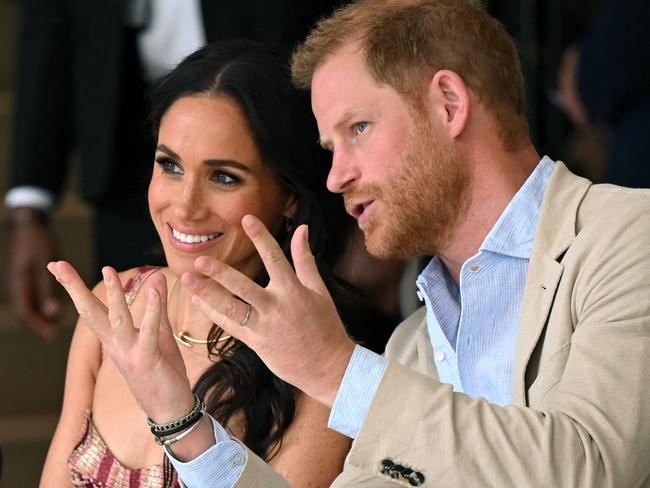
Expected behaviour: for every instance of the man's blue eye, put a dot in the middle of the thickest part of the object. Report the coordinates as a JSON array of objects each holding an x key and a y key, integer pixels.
[{"x": 360, "y": 127}]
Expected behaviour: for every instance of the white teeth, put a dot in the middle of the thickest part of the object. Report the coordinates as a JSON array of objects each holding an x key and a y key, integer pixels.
[{"x": 191, "y": 239}]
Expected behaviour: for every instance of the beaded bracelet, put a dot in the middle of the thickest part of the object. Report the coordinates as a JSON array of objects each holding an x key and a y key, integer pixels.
[
  {"x": 170, "y": 428},
  {"x": 168, "y": 441}
]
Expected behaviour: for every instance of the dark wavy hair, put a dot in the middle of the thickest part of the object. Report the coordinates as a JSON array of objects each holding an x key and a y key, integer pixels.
[{"x": 257, "y": 79}]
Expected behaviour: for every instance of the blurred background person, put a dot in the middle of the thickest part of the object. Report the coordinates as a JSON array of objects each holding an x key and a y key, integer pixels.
[{"x": 604, "y": 84}]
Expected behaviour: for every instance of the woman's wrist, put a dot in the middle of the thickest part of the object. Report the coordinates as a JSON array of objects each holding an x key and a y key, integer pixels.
[
  {"x": 166, "y": 412},
  {"x": 170, "y": 432}
]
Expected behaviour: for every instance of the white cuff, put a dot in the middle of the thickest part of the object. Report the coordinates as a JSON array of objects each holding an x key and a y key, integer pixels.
[
  {"x": 31, "y": 197},
  {"x": 218, "y": 467}
]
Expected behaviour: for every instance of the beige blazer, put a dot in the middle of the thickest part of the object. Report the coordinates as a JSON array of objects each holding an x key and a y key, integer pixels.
[{"x": 580, "y": 413}]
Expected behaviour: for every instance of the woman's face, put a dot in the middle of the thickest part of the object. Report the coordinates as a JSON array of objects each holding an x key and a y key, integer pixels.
[{"x": 208, "y": 174}]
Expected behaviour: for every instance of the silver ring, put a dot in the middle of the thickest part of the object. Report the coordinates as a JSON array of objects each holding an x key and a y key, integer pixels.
[{"x": 247, "y": 317}]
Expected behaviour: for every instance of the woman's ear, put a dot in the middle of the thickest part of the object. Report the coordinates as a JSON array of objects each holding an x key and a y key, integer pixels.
[
  {"x": 288, "y": 213},
  {"x": 451, "y": 98},
  {"x": 290, "y": 207}
]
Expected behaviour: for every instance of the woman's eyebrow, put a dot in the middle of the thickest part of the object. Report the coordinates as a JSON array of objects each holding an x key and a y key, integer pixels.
[
  {"x": 208, "y": 162},
  {"x": 166, "y": 150},
  {"x": 227, "y": 162}
]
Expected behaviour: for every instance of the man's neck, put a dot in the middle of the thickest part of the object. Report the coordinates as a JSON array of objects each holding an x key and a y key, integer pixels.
[{"x": 495, "y": 181}]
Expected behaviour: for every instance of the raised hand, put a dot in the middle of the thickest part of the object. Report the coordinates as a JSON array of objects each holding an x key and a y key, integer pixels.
[
  {"x": 148, "y": 357},
  {"x": 293, "y": 324}
]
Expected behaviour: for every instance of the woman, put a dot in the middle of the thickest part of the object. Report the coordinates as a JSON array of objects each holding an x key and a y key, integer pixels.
[{"x": 234, "y": 138}]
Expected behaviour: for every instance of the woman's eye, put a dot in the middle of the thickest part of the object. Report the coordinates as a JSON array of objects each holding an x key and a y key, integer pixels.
[
  {"x": 360, "y": 127},
  {"x": 169, "y": 166},
  {"x": 224, "y": 178}
]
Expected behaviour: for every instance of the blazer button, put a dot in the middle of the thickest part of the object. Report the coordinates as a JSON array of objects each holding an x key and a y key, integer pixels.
[
  {"x": 389, "y": 468},
  {"x": 415, "y": 478},
  {"x": 386, "y": 465}
]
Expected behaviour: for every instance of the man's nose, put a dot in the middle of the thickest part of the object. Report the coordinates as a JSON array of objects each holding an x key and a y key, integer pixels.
[{"x": 343, "y": 173}]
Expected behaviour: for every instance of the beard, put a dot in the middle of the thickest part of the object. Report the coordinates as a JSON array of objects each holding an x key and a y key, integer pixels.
[{"x": 423, "y": 199}]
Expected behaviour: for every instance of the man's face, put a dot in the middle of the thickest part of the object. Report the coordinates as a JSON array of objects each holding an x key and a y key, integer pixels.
[{"x": 398, "y": 173}]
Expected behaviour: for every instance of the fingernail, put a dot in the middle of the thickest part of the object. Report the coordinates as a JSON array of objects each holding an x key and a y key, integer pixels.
[
  {"x": 307, "y": 234},
  {"x": 204, "y": 265},
  {"x": 107, "y": 277},
  {"x": 196, "y": 300},
  {"x": 248, "y": 221}
]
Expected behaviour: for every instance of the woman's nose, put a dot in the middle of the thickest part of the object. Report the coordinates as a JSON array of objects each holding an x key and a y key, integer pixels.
[{"x": 191, "y": 205}]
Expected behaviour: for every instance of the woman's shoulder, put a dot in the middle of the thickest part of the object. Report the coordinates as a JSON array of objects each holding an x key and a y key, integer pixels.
[{"x": 133, "y": 279}]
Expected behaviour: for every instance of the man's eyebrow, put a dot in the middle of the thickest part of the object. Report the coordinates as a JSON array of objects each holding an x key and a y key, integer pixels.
[
  {"x": 345, "y": 118},
  {"x": 349, "y": 114}
]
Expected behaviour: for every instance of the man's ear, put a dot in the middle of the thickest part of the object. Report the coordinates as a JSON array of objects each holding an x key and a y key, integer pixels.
[{"x": 451, "y": 97}]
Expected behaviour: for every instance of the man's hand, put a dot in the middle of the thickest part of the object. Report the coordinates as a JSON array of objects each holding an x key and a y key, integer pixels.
[
  {"x": 32, "y": 288},
  {"x": 293, "y": 324}
]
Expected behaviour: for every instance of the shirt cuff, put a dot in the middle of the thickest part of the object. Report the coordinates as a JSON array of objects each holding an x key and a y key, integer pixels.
[
  {"x": 31, "y": 197},
  {"x": 358, "y": 388},
  {"x": 218, "y": 467}
]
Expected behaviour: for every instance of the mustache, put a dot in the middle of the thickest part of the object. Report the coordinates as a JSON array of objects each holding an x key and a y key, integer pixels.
[{"x": 355, "y": 196}]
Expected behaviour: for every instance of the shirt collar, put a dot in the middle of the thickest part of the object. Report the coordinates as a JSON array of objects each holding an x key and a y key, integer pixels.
[{"x": 514, "y": 232}]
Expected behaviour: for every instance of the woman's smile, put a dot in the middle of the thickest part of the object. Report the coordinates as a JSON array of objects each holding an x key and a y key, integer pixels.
[{"x": 192, "y": 242}]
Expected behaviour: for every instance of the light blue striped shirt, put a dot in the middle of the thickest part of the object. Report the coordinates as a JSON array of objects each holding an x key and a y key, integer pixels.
[{"x": 472, "y": 326}]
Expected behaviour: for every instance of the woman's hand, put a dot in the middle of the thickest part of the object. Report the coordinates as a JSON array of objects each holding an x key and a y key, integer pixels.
[{"x": 148, "y": 357}]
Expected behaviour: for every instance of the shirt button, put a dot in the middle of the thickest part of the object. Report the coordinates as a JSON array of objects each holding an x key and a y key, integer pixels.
[
  {"x": 475, "y": 268},
  {"x": 439, "y": 356},
  {"x": 238, "y": 460}
]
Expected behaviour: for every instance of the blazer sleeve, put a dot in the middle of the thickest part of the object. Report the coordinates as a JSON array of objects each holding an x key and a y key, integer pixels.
[
  {"x": 258, "y": 473},
  {"x": 42, "y": 112},
  {"x": 591, "y": 428}
]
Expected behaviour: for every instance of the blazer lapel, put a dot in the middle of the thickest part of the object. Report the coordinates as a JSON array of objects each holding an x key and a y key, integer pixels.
[
  {"x": 556, "y": 230},
  {"x": 425, "y": 351}
]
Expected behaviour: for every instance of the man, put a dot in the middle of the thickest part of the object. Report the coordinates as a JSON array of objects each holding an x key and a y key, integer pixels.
[{"x": 527, "y": 366}]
